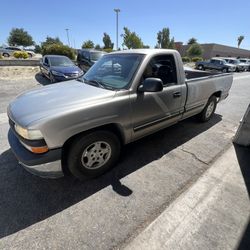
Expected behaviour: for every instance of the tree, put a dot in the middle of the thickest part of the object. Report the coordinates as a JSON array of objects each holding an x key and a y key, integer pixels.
[
  {"x": 191, "y": 41},
  {"x": 163, "y": 39},
  {"x": 50, "y": 41},
  {"x": 38, "y": 49},
  {"x": 194, "y": 50},
  {"x": 98, "y": 47},
  {"x": 107, "y": 41},
  {"x": 88, "y": 44},
  {"x": 131, "y": 40},
  {"x": 20, "y": 37},
  {"x": 240, "y": 39}
]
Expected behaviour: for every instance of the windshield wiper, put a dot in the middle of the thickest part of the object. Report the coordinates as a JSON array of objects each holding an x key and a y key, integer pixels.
[{"x": 98, "y": 84}]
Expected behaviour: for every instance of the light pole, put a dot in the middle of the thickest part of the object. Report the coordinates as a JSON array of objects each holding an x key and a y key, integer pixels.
[
  {"x": 117, "y": 12},
  {"x": 67, "y": 31}
]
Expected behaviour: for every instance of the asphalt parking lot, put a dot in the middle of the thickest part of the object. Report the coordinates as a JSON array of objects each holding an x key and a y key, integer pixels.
[{"x": 108, "y": 212}]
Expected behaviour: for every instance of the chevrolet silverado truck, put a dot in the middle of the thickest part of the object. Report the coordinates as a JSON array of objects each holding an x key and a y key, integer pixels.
[{"x": 80, "y": 126}]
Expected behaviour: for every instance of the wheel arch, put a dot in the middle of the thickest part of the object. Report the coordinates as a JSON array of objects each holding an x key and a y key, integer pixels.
[{"x": 112, "y": 127}]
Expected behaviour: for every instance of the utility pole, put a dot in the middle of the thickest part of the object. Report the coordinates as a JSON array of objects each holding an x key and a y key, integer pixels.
[
  {"x": 67, "y": 31},
  {"x": 117, "y": 12}
]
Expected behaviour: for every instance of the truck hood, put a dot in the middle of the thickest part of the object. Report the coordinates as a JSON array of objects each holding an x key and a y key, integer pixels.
[{"x": 52, "y": 100}]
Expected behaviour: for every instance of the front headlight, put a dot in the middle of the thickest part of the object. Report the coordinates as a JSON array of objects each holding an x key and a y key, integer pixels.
[
  {"x": 28, "y": 134},
  {"x": 57, "y": 73}
]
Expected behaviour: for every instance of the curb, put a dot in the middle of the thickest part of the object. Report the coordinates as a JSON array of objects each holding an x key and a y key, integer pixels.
[{"x": 20, "y": 62}]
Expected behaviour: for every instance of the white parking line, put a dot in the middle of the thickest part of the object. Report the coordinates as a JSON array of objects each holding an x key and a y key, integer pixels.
[{"x": 3, "y": 118}]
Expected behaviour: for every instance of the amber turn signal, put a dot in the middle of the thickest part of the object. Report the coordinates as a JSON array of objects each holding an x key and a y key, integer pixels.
[{"x": 39, "y": 150}]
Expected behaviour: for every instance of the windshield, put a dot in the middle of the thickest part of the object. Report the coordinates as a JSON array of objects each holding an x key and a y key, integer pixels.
[
  {"x": 114, "y": 71},
  {"x": 95, "y": 56},
  {"x": 60, "y": 61}
]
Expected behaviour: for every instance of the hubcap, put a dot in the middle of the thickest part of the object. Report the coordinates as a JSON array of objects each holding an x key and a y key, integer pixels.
[
  {"x": 96, "y": 155},
  {"x": 210, "y": 109}
]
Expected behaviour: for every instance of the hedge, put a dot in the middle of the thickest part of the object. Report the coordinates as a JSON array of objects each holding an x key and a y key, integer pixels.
[
  {"x": 186, "y": 59},
  {"x": 197, "y": 59},
  {"x": 58, "y": 49}
]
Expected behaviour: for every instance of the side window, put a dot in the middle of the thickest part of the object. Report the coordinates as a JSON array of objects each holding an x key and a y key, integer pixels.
[
  {"x": 46, "y": 60},
  {"x": 162, "y": 67},
  {"x": 86, "y": 55},
  {"x": 212, "y": 61}
]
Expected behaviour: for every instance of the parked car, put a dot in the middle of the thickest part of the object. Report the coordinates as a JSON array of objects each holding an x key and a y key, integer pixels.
[
  {"x": 9, "y": 51},
  {"x": 239, "y": 65},
  {"x": 59, "y": 68},
  {"x": 82, "y": 124},
  {"x": 87, "y": 57},
  {"x": 216, "y": 64},
  {"x": 246, "y": 61}
]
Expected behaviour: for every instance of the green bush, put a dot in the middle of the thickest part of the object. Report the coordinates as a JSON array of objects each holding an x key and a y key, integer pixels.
[
  {"x": 21, "y": 54},
  {"x": 197, "y": 59},
  {"x": 186, "y": 59},
  {"x": 1, "y": 57},
  {"x": 58, "y": 49},
  {"x": 108, "y": 50}
]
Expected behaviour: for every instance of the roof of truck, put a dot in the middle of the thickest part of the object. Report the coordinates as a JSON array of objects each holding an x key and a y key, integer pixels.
[{"x": 144, "y": 51}]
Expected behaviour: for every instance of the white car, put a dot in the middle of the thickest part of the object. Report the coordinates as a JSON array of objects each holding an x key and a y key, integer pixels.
[{"x": 9, "y": 51}]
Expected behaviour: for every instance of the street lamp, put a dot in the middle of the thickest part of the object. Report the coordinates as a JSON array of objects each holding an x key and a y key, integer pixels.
[
  {"x": 67, "y": 31},
  {"x": 117, "y": 12}
]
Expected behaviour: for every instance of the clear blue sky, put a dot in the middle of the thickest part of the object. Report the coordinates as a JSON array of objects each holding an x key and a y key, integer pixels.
[{"x": 220, "y": 21}]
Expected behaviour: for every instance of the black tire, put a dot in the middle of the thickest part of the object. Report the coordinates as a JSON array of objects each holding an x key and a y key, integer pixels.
[
  {"x": 225, "y": 70},
  {"x": 6, "y": 55},
  {"x": 208, "y": 110},
  {"x": 82, "y": 153},
  {"x": 200, "y": 67},
  {"x": 30, "y": 55}
]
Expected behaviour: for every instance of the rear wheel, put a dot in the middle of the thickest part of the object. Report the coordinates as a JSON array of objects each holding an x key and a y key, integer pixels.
[
  {"x": 6, "y": 55},
  {"x": 93, "y": 154},
  {"x": 209, "y": 109},
  {"x": 225, "y": 70}
]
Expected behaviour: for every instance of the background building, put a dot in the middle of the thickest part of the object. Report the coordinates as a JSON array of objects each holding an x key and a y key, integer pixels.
[{"x": 213, "y": 50}]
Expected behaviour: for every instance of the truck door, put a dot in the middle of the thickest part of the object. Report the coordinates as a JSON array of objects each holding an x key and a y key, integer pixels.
[{"x": 155, "y": 110}]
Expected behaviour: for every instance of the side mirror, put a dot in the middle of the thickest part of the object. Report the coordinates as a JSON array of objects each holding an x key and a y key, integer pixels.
[{"x": 151, "y": 85}]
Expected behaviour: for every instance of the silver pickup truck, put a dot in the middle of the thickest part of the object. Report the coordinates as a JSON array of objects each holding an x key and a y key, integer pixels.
[{"x": 79, "y": 126}]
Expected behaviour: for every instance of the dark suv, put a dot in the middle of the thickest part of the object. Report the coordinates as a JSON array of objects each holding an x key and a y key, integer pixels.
[{"x": 87, "y": 57}]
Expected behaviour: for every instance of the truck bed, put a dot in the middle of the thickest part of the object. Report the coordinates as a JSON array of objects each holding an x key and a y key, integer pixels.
[{"x": 193, "y": 74}]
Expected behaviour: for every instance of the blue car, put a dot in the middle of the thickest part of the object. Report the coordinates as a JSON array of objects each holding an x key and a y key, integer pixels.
[{"x": 59, "y": 68}]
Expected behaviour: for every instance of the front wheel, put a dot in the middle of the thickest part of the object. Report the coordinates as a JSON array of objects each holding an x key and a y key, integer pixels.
[
  {"x": 225, "y": 70},
  {"x": 93, "y": 154},
  {"x": 51, "y": 78},
  {"x": 209, "y": 109},
  {"x": 201, "y": 67}
]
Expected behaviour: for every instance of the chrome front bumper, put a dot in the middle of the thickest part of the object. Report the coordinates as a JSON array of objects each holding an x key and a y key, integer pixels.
[
  {"x": 51, "y": 170},
  {"x": 47, "y": 165}
]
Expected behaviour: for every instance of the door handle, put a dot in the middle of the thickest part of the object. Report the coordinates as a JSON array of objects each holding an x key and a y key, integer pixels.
[{"x": 176, "y": 94}]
